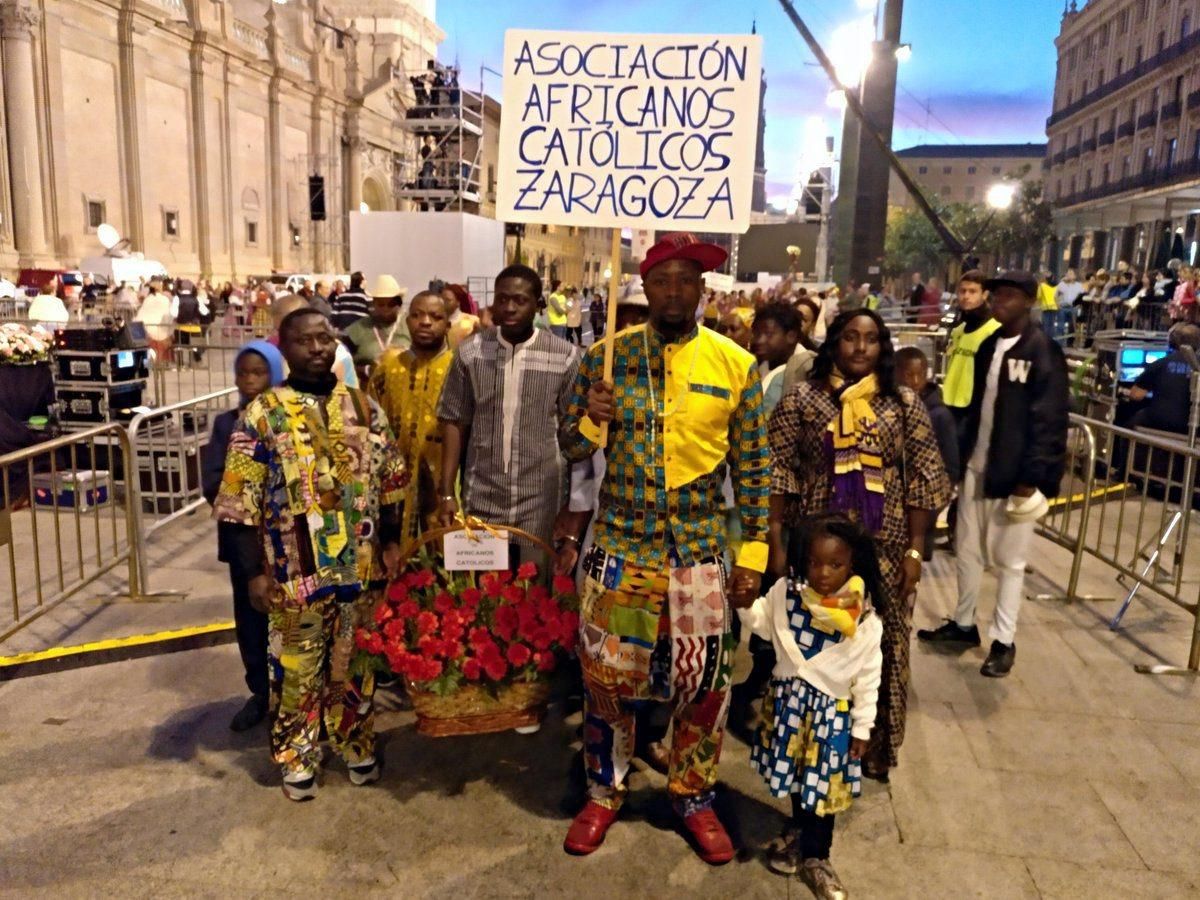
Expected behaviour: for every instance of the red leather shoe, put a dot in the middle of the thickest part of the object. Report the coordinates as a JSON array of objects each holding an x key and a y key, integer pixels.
[
  {"x": 712, "y": 841},
  {"x": 586, "y": 833}
]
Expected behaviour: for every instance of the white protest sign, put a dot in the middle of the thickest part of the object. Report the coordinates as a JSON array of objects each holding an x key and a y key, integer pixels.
[
  {"x": 717, "y": 281},
  {"x": 618, "y": 130},
  {"x": 475, "y": 552}
]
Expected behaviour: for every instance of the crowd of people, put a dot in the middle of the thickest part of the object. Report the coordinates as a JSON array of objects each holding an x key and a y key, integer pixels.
[{"x": 779, "y": 483}]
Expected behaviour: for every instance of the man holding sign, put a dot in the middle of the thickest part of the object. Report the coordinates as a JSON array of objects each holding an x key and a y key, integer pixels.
[{"x": 683, "y": 405}]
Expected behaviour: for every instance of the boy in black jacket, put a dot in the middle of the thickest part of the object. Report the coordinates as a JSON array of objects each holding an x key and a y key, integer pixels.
[{"x": 1014, "y": 443}]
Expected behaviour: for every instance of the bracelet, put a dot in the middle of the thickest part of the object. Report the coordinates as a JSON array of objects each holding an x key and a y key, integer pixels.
[
  {"x": 910, "y": 553},
  {"x": 450, "y": 497}
]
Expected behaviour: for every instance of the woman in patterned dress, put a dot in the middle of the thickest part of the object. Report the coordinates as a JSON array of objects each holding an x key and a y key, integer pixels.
[{"x": 851, "y": 440}]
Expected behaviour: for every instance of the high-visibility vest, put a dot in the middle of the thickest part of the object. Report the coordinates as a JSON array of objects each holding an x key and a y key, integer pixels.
[{"x": 960, "y": 363}]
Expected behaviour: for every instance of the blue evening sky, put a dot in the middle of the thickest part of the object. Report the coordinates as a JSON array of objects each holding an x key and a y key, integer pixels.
[{"x": 980, "y": 71}]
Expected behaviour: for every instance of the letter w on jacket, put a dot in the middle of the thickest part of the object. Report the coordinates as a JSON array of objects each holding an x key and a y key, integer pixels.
[{"x": 1029, "y": 423}]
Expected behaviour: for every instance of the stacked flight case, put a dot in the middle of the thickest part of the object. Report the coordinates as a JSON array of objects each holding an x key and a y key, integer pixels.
[{"x": 101, "y": 374}]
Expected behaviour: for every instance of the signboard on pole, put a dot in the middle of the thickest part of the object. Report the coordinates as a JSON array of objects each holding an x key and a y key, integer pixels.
[{"x": 635, "y": 131}]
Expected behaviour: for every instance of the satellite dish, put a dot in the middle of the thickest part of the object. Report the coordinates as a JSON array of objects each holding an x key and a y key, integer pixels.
[{"x": 108, "y": 236}]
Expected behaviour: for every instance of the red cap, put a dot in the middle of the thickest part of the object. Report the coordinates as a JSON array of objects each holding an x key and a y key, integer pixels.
[{"x": 684, "y": 246}]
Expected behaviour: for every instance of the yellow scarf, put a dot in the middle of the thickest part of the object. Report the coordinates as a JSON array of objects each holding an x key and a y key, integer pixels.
[
  {"x": 857, "y": 467},
  {"x": 838, "y": 613}
]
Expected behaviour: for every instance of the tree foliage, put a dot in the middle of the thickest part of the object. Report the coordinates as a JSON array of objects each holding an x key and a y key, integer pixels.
[{"x": 1014, "y": 236}]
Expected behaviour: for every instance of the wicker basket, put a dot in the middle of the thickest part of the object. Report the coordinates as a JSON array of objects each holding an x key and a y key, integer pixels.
[{"x": 474, "y": 709}]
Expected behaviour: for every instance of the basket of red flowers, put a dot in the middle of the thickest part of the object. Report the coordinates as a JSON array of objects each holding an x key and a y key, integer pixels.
[{"x": 475, "y": 648}]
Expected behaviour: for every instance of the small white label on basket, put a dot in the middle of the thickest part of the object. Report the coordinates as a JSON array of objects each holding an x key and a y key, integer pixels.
[
  {"x": 480, "y": 552},
  {"x": 81, "y": 367}
]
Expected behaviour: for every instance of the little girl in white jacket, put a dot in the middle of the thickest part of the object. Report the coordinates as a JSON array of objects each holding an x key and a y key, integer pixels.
[{"x": 818, "y": 716}]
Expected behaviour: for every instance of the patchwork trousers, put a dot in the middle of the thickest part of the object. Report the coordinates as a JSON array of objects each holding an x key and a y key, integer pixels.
[
  {"x": 654, "y": 635},
  {"x": 310, "y": 651}
]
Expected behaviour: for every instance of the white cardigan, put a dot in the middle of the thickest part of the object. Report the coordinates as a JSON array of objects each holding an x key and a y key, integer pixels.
[{"x": 848, "y": 670}]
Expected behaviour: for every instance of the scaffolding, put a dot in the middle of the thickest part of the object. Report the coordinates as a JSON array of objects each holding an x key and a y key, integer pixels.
[{"x": 448, "y": 120}]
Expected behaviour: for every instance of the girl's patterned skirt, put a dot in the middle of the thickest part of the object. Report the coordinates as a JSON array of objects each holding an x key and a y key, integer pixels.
[{"x": 803, "y": 747}]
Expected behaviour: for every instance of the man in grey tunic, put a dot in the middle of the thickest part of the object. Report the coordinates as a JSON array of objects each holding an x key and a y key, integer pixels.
[{"x": 504, "y": 399}]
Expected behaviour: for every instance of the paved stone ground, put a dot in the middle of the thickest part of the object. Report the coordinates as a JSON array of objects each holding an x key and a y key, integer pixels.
[{"x": 1075, "y": 777}]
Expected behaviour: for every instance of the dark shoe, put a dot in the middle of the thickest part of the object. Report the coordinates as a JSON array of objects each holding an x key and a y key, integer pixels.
[
  {"x": 253, "y": 712},
  {"x": 783, "y": 853},
  {"x": 950, "y": 632},
  {"x": 712, "y": 841},
  {"x": 876, "y": 773},
  {"x": 1000, "y": 660},
  {"x": 586, "y": 833}
]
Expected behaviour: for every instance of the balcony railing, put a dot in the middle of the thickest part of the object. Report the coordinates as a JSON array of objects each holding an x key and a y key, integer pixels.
[
  {"x": 1058, "y": 158},
  {"x": 1181, "y": 48},
  {"x": 1072, "y": 153},
  {"x": 1193, "y": 100},
  {"x": 1105, "y": 138},
  {"x": 1154, "y": 177},
  {"x": 1088, "y": 146},
  {"x": 1168, "y": 112},
  {"x": 1124, "y": 130},
  {"x": 1147, "y": 120}
]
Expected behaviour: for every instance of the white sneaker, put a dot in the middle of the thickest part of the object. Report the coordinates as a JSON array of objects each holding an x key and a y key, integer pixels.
[
  {"x": 300, "y": 786},
  {"x": 366, "y": 772}
]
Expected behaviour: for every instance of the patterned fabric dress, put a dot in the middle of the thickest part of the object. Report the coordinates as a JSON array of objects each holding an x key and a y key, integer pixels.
[
  {"x": 803, "y": 744},
  {"x": 913, "y": 476}
]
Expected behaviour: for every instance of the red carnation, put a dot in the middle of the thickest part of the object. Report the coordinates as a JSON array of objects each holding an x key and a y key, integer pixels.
[
  {"x": 471, "y": 597},
  {"x": 472, "y": 669},
  {"x": 361, "y": 637},
  {"x": 466, "y": 615},
  {"x": 397, "y": 592},
  {"x": 443, "y": 602},
  {"x": 518, "y": 654},
  {"x": 479, "y": 636},
  {"x": 542, "y": 638},
  {"x": 394, "y": 630},
  {"x": 422, "y": 579},
  {"x": 564, "y": 584},
  {"x": 427, "y": 623},
  {"x": 527, "y": 571},
  {"x": 408, "y": 609},
  {"x": 492, "y": 585},
  {"x": 538, "y": 593},
  {"x": 495, "y": 668},
  {"x": 547, "y": 663},
  {"x": 375, "y": 644},
  {"x": 505, "y": 622},
  {"x": 383, "y": 612},
  {"x": 514, "y": 593}
]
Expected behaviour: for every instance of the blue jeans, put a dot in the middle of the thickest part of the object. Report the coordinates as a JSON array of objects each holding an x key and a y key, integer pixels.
[{"x": 559, "y": 331}]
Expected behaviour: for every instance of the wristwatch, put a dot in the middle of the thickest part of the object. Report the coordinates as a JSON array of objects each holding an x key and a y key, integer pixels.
[{"x": 910, "y": 553}]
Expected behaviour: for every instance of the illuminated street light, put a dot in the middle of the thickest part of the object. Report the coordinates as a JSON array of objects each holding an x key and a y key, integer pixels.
[
  {"x": 364, "y": 207},
  {"x": 850, "y": 49},
  {"x": 904, "y": 53},
  {"x": 607, "y": 272},
  {"x": 1000, "y": 196}
]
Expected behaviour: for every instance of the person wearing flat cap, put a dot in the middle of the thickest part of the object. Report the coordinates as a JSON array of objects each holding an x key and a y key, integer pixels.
[
  {"x": 1014, "y": 439},
  {"x": 684, "y": 405}
]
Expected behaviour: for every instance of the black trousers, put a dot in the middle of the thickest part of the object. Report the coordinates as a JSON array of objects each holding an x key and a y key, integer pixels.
[
  {"x": 816, "y": 832},
  {"x": 251, "y": 628},
  {"x": 575, "y": 334}
]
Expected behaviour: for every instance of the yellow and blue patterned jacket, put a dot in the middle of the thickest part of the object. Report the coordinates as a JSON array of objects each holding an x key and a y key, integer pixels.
[{"x": 686, "y": 412}]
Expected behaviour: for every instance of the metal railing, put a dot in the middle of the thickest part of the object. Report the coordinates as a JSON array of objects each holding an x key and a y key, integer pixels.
[
  {"x": 201, "y": 365},
  {"x": 60, "y": 509},
  {"x": 1127, "y": 502},
  {"x": 166, "y": 447}
]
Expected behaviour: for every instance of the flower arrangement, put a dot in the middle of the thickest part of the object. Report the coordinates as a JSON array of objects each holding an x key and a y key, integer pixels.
[
  {"x": 443, "y": 631},
  {"x": 20, "y": 344}
]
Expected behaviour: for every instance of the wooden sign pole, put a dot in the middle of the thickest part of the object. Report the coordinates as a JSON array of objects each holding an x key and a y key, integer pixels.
[{"x": 614, "y": 285}]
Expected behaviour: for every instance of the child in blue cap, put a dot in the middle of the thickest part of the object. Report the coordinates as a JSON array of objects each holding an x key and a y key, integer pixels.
[{"x": 258, "y": 366}]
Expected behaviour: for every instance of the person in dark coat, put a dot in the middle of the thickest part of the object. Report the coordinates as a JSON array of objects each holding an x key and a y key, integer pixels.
[{"x": 258, "y": 366}]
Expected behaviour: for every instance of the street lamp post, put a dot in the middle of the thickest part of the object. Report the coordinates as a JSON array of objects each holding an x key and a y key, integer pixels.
[{"x": 999, "y": 197}]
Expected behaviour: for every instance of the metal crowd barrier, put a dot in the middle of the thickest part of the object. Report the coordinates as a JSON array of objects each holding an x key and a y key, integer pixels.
[
  {"x": 200, "y": 366},
  {"x": 1127, "y": 502},
  {"x": 166, "y": 447},
  {"x": 60, "y": 511}
]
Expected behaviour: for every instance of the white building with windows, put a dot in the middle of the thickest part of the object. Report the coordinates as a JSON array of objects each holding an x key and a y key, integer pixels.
[{"x": 194, "y": 126}]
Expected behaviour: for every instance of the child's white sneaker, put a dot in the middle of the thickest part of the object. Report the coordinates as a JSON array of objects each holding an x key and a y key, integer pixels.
[
  {"x": 366, "y": 772},
  {"x": 822, "y": 880}
]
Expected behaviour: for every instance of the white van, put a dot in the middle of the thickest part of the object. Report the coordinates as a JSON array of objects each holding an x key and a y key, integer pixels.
[{"x": 131, "y": 270}]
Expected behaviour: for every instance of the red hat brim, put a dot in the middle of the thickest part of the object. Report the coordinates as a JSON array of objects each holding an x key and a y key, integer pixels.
[{"x": 707, "y": 256}]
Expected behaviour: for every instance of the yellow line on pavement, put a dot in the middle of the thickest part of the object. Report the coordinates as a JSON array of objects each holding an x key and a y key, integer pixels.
[
  {"x": 1096, "y": 492},
  {"x": 136, "y": 640}
]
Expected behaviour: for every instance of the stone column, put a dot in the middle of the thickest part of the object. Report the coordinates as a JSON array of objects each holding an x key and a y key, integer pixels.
[{"x": 17, "y": 23}]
